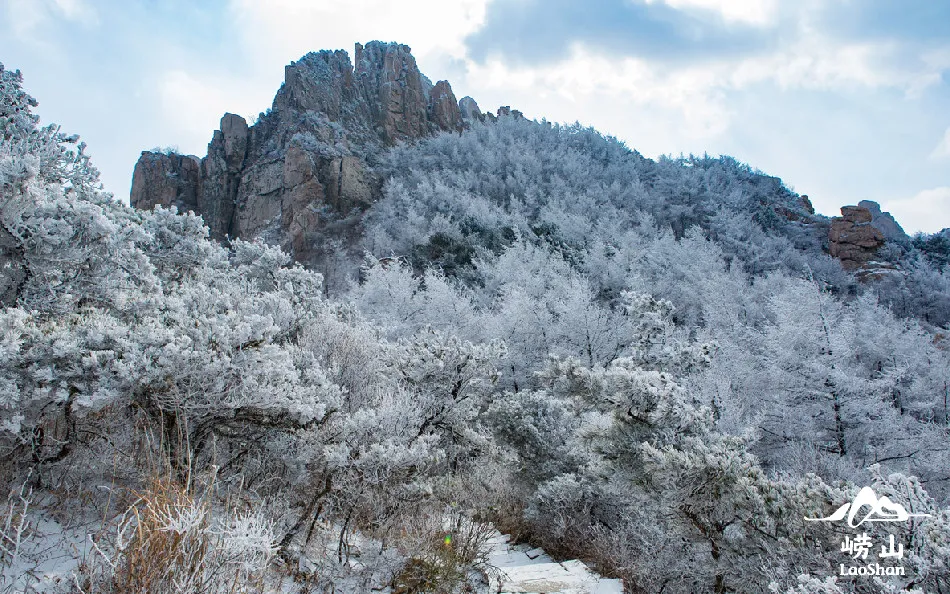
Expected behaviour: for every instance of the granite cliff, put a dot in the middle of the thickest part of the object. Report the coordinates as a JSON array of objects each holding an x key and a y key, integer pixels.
[{"x": 304, "y": 171}]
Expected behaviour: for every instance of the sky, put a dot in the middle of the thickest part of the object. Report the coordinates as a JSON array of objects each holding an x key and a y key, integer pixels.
[{"x": 845, "y": 100}]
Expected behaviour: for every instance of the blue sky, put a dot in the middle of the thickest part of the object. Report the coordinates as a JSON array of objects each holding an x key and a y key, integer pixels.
[{"x": 843, "y": 99}]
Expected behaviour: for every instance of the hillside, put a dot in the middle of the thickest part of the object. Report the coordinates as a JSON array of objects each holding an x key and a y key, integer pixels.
[{"x": 374, "y": 326}]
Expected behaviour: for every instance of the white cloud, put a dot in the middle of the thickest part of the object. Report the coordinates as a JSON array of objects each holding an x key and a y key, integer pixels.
[
  {"x": 592, "y": 82},
  {"x": 192, "y": 106},
  {"x": 284, "y": 30},
  {"x": 819, "y": 63},
  {"x": 26, "y": 16},
  {"x": 942, "y": 150},
  {"x": 753, "y": 12},
  {"x": 698, "y": 93},
  {"x": 924, "y": 211},
  {"x": 77, "y": 11}
]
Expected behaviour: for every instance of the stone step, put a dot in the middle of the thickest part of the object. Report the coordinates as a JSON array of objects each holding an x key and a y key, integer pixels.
[{"x": 522, "y": 569}]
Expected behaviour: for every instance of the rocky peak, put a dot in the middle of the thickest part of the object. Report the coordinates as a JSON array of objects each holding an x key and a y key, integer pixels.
[
  {"x": 392, "y": 86},
  {"x": 884, "y": 222},
  {"x": 298, "y": 175},
  {"x": 853, "y": 239},
  {"x": 319, "y": 82},
  {"x": 469, "y": 110},
  {"x": 444, "y": 110},
  {"x": 221, "y": 174}
]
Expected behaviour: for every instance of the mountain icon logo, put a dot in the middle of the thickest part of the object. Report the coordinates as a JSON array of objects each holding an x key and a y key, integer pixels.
[{"x": 878, "y": 510}]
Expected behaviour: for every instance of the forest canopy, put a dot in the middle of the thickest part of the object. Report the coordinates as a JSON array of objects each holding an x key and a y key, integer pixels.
[{"x": 631, "y": 362}]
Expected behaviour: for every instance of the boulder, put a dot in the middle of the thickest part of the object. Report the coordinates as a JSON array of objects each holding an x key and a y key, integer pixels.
[{"x": 852, "y": 237}]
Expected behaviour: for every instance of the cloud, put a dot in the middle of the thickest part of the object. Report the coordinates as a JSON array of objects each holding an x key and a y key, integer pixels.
[
  {"x": 586, "y": 80},
  {"x": 917, "y": 21},
  {"x": 284, "y": 30},
  {"x": 538, "y": 32},
  {"x": 77, "y": 11},
  {"x": 942, "y": 150},
  {"x": 800, "y": 45},
  {"x": 820, "y": 63},
  {"x": 26, "y": 17},
  {"x": 193, "y": 105},
  {"x": 920, "y": 211},
  {"x": 753, "y": 12}
]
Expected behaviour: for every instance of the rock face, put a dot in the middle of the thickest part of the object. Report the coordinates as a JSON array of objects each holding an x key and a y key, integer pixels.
[
  {"x": 444, "y": 110},
  {"x": 393, "y": 90},
  {"x": 221, "y": 174},
  {"x": 852, "y": 237},
  {"x": 469, "y": 110},
  {"x": 167, "y": 180},
  {"x": 297, "y": 176},
  {"x": 884, "y": 222}
]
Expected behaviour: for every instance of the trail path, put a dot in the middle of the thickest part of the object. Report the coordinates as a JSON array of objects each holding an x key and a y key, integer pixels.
[{"x": 525, "y": 570}]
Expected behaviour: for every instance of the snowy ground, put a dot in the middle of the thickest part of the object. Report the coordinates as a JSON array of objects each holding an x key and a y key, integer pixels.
[
  {"x": 50, "y": 560},
  {"x": 523, "y": 569}
]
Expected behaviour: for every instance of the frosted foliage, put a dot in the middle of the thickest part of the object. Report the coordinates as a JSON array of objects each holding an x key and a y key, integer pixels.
[
  {"x": 686, "y": 376},
  {"x": 126, "y": 331},
  {"x": 641, "y": 364}
]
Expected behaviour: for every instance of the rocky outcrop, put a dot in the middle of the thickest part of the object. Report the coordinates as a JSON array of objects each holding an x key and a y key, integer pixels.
[
  {"x": 469, "y": 110},
  {"x": 505, "y": 110},
  {"x": 444, "y": 110},
  {"x": 167, "y": 180},
  {"x": 796, "y": 210},
  {"x": 884, "y": 222},
  {"x": 806, "y": 204},
  {"x": 221, "y": 175},
  {"x": 299, "y": 173},
  {"x": 393, "y": 90},
  {"x": 853, "y": 239}
]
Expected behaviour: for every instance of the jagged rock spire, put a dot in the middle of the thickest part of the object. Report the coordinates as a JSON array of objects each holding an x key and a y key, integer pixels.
[{"x": 308, "y": 161}]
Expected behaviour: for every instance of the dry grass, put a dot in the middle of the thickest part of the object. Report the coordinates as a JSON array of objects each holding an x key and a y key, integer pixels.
[
  {"x": 156, "y": 558},
  {"x": 169, "y": 541}
]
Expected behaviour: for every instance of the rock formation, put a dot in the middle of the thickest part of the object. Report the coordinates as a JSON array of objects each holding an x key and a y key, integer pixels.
[
  {"x": 166, "y": 180},
  {"x": 469, "y": 110},
  {"x": 806, "y": 204},
  {"x": 884, "y": 222},
  {"x": 505, "y": 110},
  {"x": 852, "y": 237},
  {"x": 298, "y": 174},
  {"x": 444, "y": 110}
]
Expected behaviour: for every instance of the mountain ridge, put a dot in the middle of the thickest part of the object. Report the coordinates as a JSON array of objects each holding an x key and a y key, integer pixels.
[{"x": 303, "y": 175}]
